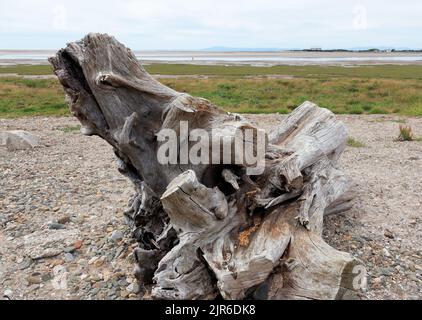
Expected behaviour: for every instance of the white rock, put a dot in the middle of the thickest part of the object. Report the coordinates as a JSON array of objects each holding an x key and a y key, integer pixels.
[
  {"x": 117, "y": 235},
  {"x": 386, "y": 253},
  {"x": 8, "y": 293},
  {"x": 59, "y": 281},
  {"x": 48, "y": 243},
  {"x": 18, "y": 140}
]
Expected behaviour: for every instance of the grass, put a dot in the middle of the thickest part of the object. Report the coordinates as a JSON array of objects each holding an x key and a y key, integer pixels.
[
  {"x": 313, "y": 71},
  {"x": 37, "y": 70},
  {"x": 406, "y": 133},
  {"x": 24, "y": 97},
  {"x": 71, "y": 129},
  {"x": 352, "y": 142},
  {"x": 341, "y": 95},
  {"x": 344, "y": 90}
]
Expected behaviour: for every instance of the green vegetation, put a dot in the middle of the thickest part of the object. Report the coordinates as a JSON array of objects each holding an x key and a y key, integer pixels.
[
  {"x": 71, "y": 129},
  {"x": 246, "y": 89},
  {"x": 29, "y": 70},
  {"x": 28, "y": 97},
  {"x": 313, "y": 71},
  {"x": 406, "y": 133},
  {"x": 341, "y": 95},
  {"x": 352, "y": 142}
]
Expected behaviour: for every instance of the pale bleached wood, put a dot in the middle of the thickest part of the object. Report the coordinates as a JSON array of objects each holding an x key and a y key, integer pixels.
[{"x": 208, "y": 229}]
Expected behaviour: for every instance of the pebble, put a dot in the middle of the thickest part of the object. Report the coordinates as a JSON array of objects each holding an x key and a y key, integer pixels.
[
  {"x": 34, "y": 279},
  {"x": 386, "y": 253},
  {"x": 99, "y": 262},
  {"x": 68, "y": 257},
  {"x": 95, "y": 291},
  {"x": 63, "y": 220},
  {"x": 56, "y": 226},
  {"x": 46, "y": 277},
  {"x": 78, "y": 244},
  {"x": 117, "y": 235},
  {"x": 387, "y": 271},
  {"x": 389, "y": 234},
  {"x": 122, "y": 283},
  {"x": 133, "y": 287},
  {"x": 25, "y": 264},
  {"x": 69, "y": 249},
  {"x": 8, "y": 293}
]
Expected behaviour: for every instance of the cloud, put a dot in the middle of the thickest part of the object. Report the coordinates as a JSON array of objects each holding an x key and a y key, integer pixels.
[{"x": 189, "y": 24}]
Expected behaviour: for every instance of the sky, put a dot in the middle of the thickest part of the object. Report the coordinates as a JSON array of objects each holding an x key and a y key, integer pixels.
[{"x": 200, "y": 24}]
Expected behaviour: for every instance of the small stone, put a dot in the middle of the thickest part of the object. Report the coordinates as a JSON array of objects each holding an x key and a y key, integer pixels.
[
  {"x": 92, "y": 260},
  {"x": 367, "y": 238},
  {"x": 68, "y": 257},
  {"x": 18, "y": 140},
  {"x": 25, "y": 264},
  {"x": 133, "y": 288},
  {"x": 412, "y": 267},
  {"x": 389, "y": 234},
  {"x": 69, "y": 249},
  {"x": 117, "y": 235},
  {"x": 33, "y": 287},
  {"x": 119, "y": 252},
  {"x": 124, "y": 294},
  {"x": 99, "y": 262},
  {"x": 386, "y": 253},
  {"x": 34, "y": 279},
  {"x": 55, "y": 209},
  {"x": 64, "y": 220},
  {"x": 96, "y": 277},
  {"x": 111, "y": 292},
  {"x": 387, "y": 271},
  {"x": 56, "y": 262},
  {"x": 122, "y": 283},
  {"x": 8, "y": 293},
  {"x": 56, "y": 226},
  {"x": 84, "y": 276},
  {"x": 47, "y": 277},
  {"x": 95, "y": 291},
  {"x": 78, "y": 244}
]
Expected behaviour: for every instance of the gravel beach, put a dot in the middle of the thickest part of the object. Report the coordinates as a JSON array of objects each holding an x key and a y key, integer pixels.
[{"x": 63, "y": 236}]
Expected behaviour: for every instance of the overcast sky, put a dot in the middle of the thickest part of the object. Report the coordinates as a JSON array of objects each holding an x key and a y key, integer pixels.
[{"x": 198, "y": 24}]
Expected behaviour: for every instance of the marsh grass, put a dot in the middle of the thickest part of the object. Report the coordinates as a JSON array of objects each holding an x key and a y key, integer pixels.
[
  {"x": 243, "y": 95},
  {"x": 246, "y": 89},
  {"x": 71, "y": 129},
  {"x": 23, "y": 97},
  {"x": 352, "y": 142},
  {"x": 406, "y": 133}
]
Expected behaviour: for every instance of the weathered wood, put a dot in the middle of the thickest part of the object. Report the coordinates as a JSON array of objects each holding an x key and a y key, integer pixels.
[{"x": 208, "y": 229}]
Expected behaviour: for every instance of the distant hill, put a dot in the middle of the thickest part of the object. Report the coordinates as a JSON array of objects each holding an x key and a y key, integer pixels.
[{"x": 374, "y": 48}]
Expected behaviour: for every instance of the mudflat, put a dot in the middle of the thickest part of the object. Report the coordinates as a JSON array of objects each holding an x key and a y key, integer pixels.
[{"x": 12, "y": 57}]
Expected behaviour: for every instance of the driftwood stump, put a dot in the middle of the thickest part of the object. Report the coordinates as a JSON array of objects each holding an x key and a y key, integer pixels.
[{"x": 214, "y": 228}]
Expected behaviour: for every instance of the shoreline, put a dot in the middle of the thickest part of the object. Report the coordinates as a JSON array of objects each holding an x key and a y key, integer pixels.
[{"x": 293, "y": 58}]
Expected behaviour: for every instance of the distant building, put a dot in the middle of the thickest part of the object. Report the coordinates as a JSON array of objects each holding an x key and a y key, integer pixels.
[{"x": 316, "y": 49}]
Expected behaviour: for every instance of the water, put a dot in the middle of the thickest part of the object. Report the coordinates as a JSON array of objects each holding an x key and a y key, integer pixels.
[
  {"x": 40, "y": 57},
  {"x": 280, "y": 59}
]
